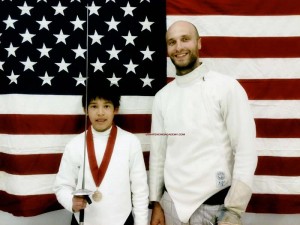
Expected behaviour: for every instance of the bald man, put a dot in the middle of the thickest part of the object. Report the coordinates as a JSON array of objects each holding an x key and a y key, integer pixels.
[{"x": 203, "y": 157}]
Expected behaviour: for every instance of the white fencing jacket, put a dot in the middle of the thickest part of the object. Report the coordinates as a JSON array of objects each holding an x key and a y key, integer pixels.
[
  {"x": 202, "y": 138},
  {"x": 124, "y": 186}
]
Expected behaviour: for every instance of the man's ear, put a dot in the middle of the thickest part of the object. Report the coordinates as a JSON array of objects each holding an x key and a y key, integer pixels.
[{"x": 199, "y": 43}]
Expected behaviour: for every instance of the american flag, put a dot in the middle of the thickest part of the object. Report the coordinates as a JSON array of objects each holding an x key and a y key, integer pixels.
[{"x": 46, "y": 47}]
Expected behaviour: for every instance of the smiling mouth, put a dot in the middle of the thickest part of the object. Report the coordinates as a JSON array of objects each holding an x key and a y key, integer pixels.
[{"x": 180, "y": 56}]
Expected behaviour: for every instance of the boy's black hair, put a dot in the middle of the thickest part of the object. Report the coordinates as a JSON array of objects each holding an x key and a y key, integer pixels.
[{"x": 102, "y": 90}]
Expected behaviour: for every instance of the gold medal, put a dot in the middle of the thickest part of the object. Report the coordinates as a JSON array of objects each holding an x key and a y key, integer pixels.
[
  {"x": 97, "y": 196},
  {"x": 99, "y": 172}
]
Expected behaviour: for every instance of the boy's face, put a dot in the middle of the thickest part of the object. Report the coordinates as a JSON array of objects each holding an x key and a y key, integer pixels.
[{"x": 101, "y": 113}]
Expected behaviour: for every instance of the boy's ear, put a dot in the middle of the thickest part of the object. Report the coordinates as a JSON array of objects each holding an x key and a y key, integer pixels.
[
  {"x": 85, "y": 111},
  {"x": 116, "y": 110}
]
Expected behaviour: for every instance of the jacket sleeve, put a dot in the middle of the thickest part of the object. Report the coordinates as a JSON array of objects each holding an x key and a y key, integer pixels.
[
  {"x": 139, "y": 185},
  {"x": 65, "y": 181},
  {"x": 157, "y": 152},
  {"x": 242, "y": 133}
]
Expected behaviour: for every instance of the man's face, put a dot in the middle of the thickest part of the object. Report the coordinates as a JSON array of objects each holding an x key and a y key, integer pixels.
[{"x": 183, "y": 47}]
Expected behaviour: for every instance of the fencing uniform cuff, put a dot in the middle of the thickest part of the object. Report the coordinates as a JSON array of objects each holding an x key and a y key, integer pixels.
[
  {"x": 228, "y": 217},
  {"x": 238, "y": 197}
]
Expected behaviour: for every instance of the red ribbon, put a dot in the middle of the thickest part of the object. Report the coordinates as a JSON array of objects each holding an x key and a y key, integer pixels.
[{"x": 98, "y": 173}]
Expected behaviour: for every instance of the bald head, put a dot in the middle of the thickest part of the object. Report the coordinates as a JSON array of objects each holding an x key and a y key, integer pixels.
[{"x": 182, "y": 26}]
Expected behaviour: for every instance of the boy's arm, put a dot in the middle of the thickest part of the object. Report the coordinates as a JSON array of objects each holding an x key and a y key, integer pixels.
[
  {"x": 158, "y": 216},
  {"x": 65, "y": 181},
  {"x": 139, "y": 185}
]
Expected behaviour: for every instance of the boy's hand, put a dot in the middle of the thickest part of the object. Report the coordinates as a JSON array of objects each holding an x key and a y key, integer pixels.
[
  {"x": 158, "y": 217},
  {"x": 79, "y": 203}
]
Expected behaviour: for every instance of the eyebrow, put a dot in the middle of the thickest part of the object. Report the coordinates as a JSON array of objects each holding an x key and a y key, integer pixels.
[
  {"x": 182, "y": 36},
  {"x": 105, "y": 102}
]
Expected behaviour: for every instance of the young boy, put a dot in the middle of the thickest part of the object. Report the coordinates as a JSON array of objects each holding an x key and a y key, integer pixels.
[{"x": 120, "y": 190}]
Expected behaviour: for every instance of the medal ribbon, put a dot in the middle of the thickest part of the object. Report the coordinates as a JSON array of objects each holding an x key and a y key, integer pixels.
[{"x": 98, "y": 173}]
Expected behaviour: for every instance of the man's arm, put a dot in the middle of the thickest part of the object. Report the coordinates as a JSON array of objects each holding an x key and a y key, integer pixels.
[
  {"x": 157, "y": 152},
  {"x": 242, "y": 133},
  {"x": 156, "y": 164}
]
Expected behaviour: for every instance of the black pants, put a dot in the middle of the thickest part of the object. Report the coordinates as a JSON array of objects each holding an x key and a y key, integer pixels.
[{"x": 129, "y": 220}]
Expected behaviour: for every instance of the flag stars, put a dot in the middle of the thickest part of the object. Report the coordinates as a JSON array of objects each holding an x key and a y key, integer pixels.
[
  {"x": 61, "y": 37},
  {"x": 80, "y": 80},
  {"x": 25, "y": 9},
  {"x": 46, "y": 79},
  {"x": 147, "y": 53},
  {"x": 98, "y": 65},
  {"x": 27, "y": 36},
  {"x": 114, "y": 80},
  {"x": 9, "y": 23},
  {"x": 79, "y": 52},
  {"x": 44, "y": 23},
  {"x": 146, "y": 24},
  {"x": 78, "y": 23},
  {"x": 1, "y": 65},
  {"x": 65, "y": 43},
  {"x": 13, "y": 78},
  {"x": 44, "y": 51},
  {"x": 93, "y": 9},
  {"x": 147, "y": 81},
  {"x": 63, "y": 65},
  {"x": 96, "y": 38},
  {"x": 130, "y": 67},
  {"x": 59, "y": 9},
  {"x": 129, "y": 39},
  {"x": 113, "y": 53},
  {"x": 11, "y": 50},
  {"x": 28, "y": 64},
  {"x": 128, "y": 9},
  {"x": 113, "y": 24}
]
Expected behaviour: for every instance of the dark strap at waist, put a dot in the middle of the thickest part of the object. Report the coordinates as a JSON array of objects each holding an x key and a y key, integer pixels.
[{"x": 216, "y": 199}]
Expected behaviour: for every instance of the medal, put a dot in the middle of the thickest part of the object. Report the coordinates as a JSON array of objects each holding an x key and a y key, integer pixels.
[
  {"x": 97, "y": 196},
  {"x": 99, "y": 172}
]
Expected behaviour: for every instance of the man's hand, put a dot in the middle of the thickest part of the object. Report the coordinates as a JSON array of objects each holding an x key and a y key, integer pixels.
[
  {"x": 158, "y": 217},
  {"x": 79, "y": 203},
  {"x": 228, "y": 217}
]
